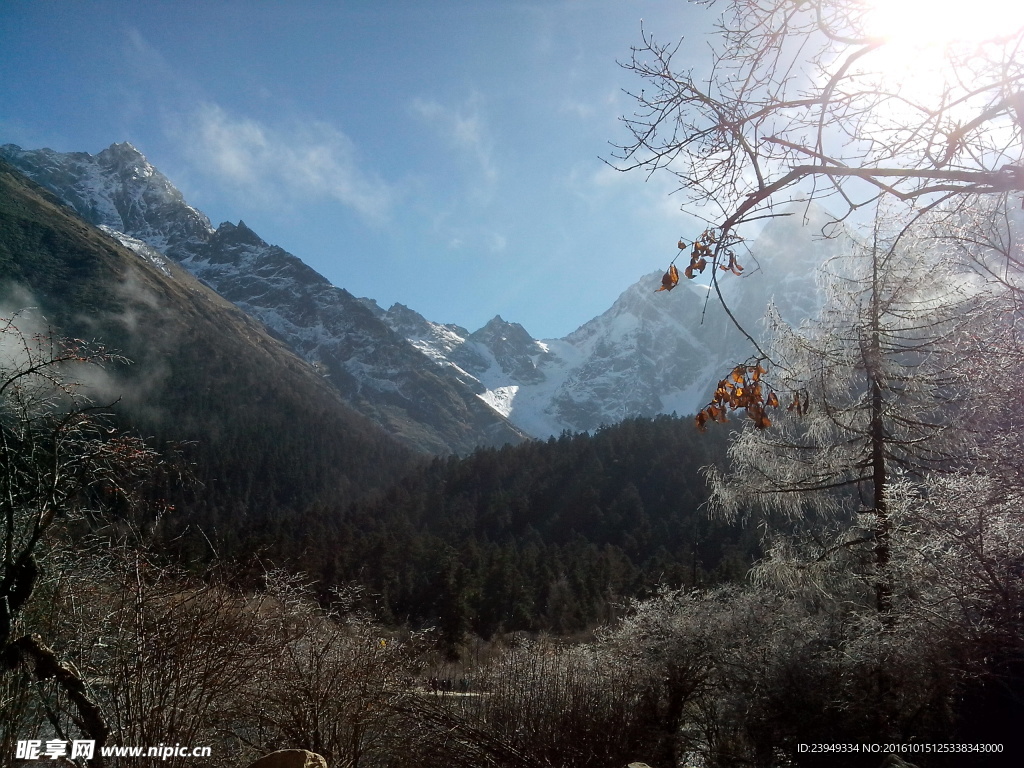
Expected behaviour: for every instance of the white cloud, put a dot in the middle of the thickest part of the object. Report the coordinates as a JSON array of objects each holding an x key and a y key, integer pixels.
[
  {"x": 577, "y": 109},
  {"x": 477, "y": 240},
  {"x": 147, "y": 59},
  {"x": 498, "y": 242},
  {"x": 605, "y": 108},
  {"x": 464, "y": 128},
  {"x": 290, "y": 165}
]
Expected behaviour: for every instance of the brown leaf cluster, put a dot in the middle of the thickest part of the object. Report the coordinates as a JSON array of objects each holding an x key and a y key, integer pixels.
[
  {"x": 701, "y": 252},
  {"x": 670, "y": 279},
  {"x": 801, "y": 406},
  {"x": 741, "y": 389}
]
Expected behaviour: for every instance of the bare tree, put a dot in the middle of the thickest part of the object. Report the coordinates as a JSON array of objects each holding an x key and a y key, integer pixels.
[
  {"x": 59, "y": 462},
  {"x": 797, "y": 103},
  {"x": 330, "y": 681},
  {"x": 541, "y": 704}
]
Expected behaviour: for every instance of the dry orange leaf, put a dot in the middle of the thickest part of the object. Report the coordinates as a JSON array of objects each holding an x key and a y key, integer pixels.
[
  {"x": 670, "y": 279},
  {"x": 743, "y": 389},
  {"x": 701, "y": 420}
]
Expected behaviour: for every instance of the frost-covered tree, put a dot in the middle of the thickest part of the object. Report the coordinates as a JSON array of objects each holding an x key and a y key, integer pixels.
[
  {"x": 878, "y": 388},
  {"x": 742, "y": 676}
]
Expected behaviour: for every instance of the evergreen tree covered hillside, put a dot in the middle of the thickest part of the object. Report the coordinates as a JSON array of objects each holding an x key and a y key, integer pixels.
[
  {"x": 545, "y": 535},
  {"x": 261, "y": 433}
]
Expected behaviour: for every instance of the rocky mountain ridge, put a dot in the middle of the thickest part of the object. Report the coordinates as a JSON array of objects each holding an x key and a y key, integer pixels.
[
  {"x": 260, "y": 438},
  {"x": 649, "y": 353},
  {"x": 376, "y": 370},
  {"x": 439, "y": 386}
]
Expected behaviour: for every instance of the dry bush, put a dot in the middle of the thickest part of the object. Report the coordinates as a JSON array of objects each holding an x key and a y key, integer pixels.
[
  {"x": 167, "y": 656},
  {"x": 334, "y": 684},
  {"x": 540, "y": 704}
]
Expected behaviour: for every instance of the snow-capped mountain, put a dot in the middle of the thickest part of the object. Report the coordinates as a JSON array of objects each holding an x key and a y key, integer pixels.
[
  {"x": 441, "y": 387},
  {"x": 376, "y": 370},
  {"x": 120, "y": 190},
  {"x": 650, "y": 353}
]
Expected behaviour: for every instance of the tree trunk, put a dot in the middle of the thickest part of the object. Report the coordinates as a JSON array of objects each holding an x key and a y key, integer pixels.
[{"x": 879, "y": 475}]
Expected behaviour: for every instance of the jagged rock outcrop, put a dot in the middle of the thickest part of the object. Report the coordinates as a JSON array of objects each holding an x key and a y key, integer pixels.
[{"x": 376, "y": 370}]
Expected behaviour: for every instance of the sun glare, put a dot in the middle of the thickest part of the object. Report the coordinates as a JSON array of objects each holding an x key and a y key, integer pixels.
[
  {"x": 920, "y": 23},
  {"x": 919, "y": 34}
]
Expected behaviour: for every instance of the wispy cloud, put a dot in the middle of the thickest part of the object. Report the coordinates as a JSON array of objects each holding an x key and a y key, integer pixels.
[
  {"x": 464, "y": 128},
  {"x": 599, "y": 185},
  {"x": 288, "y": 164},
  {"x": 146, "y": 58},
  {"x": 480, "y": 239},
  {"x": 606, "y": 106}
]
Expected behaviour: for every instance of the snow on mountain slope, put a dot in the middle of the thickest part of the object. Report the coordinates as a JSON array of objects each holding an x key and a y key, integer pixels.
[
  {"x": 438, "y": 386},
  {"x": 650, "y": 353},
  {"x": 376, "y": 370},
  {"x": 117, "y": 188}
]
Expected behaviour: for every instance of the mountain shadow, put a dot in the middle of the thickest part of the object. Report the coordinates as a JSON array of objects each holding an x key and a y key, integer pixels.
[{"x": 266, "y": 436}]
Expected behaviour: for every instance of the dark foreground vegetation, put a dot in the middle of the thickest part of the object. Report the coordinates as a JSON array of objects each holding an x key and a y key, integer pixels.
[
  {"x": 105, "y": 639},
  {"x": 580, "y": 603}
]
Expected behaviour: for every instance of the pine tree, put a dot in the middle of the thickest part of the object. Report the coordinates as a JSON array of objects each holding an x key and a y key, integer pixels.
[{"x": 878, "y": 389}]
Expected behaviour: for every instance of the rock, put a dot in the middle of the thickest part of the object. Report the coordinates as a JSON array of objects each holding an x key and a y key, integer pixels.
[
  {"x": 895, "y": 761},
  {"x": 290, "y": 758}
]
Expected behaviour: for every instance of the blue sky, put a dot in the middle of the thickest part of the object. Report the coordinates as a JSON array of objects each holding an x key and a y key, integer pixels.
[{"x": 445, "y": 155}]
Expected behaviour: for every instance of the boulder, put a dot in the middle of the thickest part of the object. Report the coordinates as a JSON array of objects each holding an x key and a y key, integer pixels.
[{"x": 290, "y": 758}]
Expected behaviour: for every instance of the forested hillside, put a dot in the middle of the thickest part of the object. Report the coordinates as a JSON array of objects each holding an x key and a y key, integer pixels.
[
  {"x": 548, "y": 535},
  {"x": 260, "y": 435}
]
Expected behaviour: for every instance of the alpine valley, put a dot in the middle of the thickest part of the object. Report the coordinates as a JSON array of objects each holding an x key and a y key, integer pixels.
[{"x": 440, "y": 388}]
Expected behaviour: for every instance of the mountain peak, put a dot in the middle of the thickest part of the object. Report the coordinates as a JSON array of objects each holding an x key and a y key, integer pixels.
[
  {"x": 497, "y": 327},
  {"x": 237, "y": 234},
  {"x": 124, "y": 155},
  {"x": 513, "y": 349},
  {"x": 120, "y": 189},
  {"x": 124, "y": 148},
  {"x": 401, "y": 314}
]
